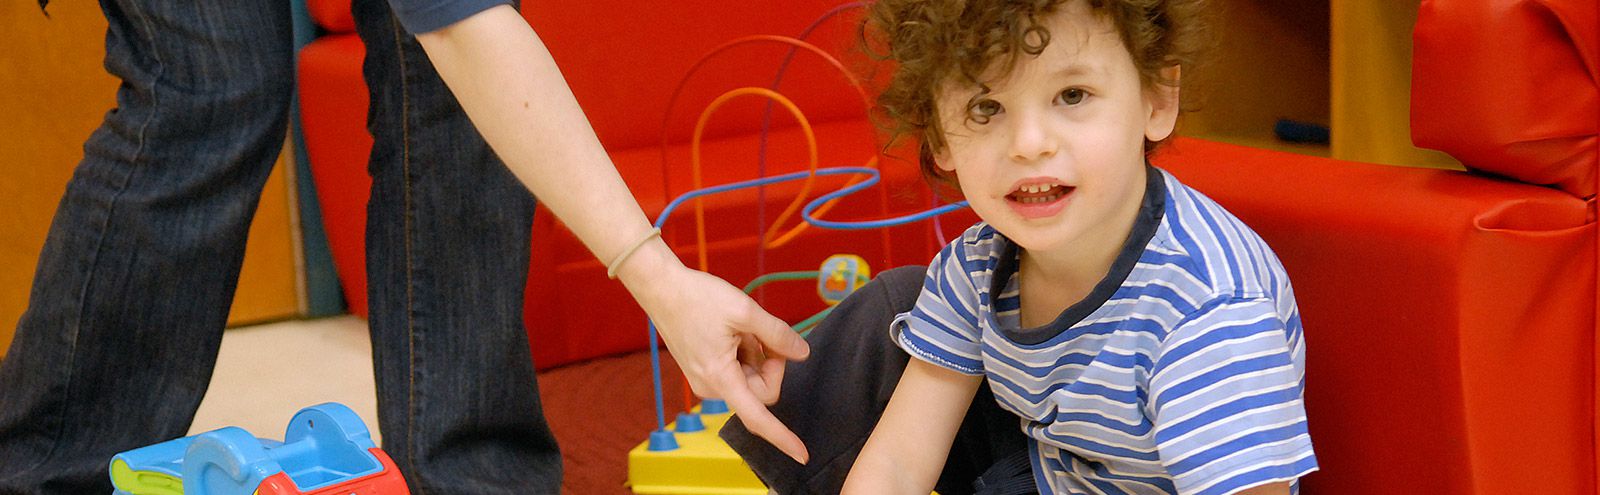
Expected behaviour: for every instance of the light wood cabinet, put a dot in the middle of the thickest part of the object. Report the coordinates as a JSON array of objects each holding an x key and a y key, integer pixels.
[
  {"x": 53, "y": 92},
  {"x": 1344, "y": 64}
]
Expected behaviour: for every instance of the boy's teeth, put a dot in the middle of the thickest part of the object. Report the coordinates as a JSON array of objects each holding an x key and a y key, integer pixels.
[{"x": 1040, "y": 199}]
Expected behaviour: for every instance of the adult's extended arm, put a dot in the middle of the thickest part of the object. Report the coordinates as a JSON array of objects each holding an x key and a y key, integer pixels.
[{"x": 510, "y": 87}]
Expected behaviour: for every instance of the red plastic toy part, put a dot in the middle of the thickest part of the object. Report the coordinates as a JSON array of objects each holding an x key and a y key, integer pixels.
[{"x": 386, "y": 482}]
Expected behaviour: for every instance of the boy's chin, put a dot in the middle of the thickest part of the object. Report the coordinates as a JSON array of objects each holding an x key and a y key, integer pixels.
[{"x": 1035, "y": 238}]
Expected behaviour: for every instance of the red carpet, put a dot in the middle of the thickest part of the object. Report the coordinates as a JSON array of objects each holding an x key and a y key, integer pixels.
[{"x": 600, "y": 410}]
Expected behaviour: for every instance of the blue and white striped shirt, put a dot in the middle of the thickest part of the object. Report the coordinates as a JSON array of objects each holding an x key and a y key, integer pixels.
[{"x": 1182, "y": 372}]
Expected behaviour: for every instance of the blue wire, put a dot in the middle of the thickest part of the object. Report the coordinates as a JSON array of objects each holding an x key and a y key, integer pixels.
[
  {"x": 655, "y": 356},
  {"x": 869, "y": 224},
  {"x": 655, "y": 377}
]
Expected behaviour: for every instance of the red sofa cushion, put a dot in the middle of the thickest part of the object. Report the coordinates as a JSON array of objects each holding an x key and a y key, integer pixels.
[
  {"x": 1511, "y": 87},
  {"x": 333, "y": 110},
  {"x": 1449, "y": 318},
  {"x": 332, "y": 15},
  {"x": 626, "y": 62},
  {"x": 335, "y": 106}
]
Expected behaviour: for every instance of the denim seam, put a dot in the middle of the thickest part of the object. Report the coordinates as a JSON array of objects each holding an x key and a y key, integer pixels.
[
  {"x": 405, "y": 183},
  {"x": 77, "y": 326}
]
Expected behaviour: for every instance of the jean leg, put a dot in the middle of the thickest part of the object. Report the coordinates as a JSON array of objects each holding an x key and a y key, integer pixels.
[
  {"x": 447, "y": 257},
  {"x": 134, "y": 283}
]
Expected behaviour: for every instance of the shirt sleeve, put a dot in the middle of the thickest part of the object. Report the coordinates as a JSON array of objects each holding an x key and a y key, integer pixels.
[
  {"x": 942, "y": 328},
  {"x": 422, "y": 16},
  {"x": 1226, "y": 398}
]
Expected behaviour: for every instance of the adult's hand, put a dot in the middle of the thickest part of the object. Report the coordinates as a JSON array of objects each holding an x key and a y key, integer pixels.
[{"x": 727, "y": 346}]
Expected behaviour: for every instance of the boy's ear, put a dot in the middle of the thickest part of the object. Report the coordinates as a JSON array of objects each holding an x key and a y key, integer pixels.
[
  {"x": 942, "y": 159},
  {"x": 939, "y": 159},
  {"x": 1162, "y": 103}
]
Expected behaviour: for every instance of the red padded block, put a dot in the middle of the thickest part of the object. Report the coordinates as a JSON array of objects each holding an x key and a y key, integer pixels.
[
  {"x": 1449, "y": 318},
  {"x": 566, "y": 283},
  {"x": 1509, "y": 87},
  {"x": 332, "y": 15},
  {"x": 333, "y": 109},
  {"x": 623, "y": 58}
]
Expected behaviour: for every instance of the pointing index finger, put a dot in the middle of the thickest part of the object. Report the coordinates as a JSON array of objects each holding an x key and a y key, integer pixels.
[{"x": 758, "y": 419}]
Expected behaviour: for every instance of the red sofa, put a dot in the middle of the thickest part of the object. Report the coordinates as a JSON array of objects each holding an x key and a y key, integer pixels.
[{"x": 1450, "y": 316}]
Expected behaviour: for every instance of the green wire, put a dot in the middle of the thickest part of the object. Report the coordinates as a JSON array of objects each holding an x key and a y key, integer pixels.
[
  {"x": 777, "y": 276},
  {"x": 783, "y": 276},
  {"x": 809, "y": 323}
]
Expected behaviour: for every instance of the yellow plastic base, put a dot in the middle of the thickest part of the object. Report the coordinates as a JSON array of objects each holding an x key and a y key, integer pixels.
[{"x": 703, "y": 464}]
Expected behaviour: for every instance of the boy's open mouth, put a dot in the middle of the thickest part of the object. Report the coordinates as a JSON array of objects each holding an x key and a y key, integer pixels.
[
  {"x": 1039, "y": 199},
  {"x": 1038, "y": 193}
]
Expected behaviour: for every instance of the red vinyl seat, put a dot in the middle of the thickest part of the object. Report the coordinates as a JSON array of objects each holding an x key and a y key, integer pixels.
[{"x": 1449, "y": 318}]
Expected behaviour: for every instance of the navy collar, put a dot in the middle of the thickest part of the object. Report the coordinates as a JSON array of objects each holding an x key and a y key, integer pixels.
[{"x": 1145, "y": 225}]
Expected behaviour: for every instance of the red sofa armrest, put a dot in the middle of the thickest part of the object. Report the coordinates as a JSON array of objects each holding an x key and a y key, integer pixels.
[{"x": 1449, "y": 318}]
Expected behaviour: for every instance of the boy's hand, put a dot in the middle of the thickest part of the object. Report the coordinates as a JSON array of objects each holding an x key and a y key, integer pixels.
[{"x": 727, "y": 346}]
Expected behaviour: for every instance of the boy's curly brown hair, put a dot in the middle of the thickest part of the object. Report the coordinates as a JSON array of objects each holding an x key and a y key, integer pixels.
[{"x": 934, "y": 42}]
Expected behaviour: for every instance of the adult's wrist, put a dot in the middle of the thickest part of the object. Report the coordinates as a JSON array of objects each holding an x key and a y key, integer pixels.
[{"x": 648, "y": 268}]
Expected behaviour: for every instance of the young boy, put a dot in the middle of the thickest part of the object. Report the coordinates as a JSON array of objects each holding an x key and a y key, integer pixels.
[{"x": 1147, "y": 340}]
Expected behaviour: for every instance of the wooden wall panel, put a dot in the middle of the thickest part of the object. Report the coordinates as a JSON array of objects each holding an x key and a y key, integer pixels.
[
  {"x": 1270, "y": 61},
  {"x": 1371, "y": 84},
  {"x": 53, "y": 92}
]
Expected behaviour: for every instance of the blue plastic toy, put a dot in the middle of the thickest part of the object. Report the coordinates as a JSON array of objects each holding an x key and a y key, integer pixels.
[{"x": 327, "y": 449}]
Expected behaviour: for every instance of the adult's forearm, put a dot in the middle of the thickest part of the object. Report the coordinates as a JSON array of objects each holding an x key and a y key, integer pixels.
[{"x": 505, "y": 79}]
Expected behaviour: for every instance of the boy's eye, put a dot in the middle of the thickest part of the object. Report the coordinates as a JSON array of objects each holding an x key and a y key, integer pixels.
[
  {"x": 1072, "y": 96},
  {"x": 982, "y": 110}
]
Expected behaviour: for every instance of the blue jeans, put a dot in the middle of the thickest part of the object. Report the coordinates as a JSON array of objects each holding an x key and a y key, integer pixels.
[{"x": 134, "y": 283}]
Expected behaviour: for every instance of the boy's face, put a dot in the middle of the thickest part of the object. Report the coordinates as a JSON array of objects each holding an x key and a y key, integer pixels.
[{"x": 1061, "y": 158}]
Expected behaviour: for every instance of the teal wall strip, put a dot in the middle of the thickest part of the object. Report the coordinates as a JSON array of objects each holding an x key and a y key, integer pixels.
[{"x": 323, "y": 297}]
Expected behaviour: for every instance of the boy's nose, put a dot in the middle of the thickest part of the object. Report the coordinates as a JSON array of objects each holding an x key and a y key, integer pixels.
[{"x": 1031, "y": 140}]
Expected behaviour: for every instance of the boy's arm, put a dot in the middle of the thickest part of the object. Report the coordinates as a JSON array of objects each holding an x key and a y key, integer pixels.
[
  {"x": 907, "y": 449},
  {"x": 510, "y": 87},
  {"x": 1279, "y": 488}
]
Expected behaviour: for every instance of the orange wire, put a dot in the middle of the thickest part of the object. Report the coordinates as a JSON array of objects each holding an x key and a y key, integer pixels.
[
  {"x": 694, "y": 157},
  {"x": 769, "y": 239},
  {"x": 760, "y": 38},
  {"x": 694, "y": 161}
]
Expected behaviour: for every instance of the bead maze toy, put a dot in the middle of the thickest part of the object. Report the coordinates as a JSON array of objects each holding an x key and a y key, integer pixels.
[
  {"x": 687, "y": 456},
  {"x": 326, "y": 450}
]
